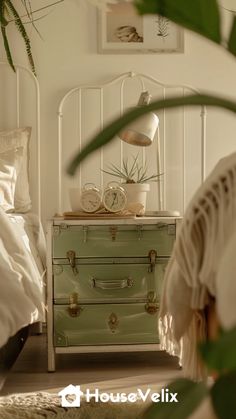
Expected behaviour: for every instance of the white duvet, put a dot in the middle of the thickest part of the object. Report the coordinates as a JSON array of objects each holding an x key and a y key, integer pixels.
[{"x": 21, "y": 274}]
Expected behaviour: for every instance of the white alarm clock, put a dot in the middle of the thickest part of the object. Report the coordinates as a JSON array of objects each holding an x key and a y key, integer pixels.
[
  {"x": 114, "y": 197},
  {"x": 90, "y": 198}
]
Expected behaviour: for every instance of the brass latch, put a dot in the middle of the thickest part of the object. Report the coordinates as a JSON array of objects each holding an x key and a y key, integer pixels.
[
  {"x": 85, "y": 233},
  {"x": 140, "y": 231},
  {"x": 113, "y": 322},
  {"x": 152, "y": 257},
  {"x": 113, "y": 231},
  {"x": 171, "y": 230},
  {"x": 152, "y": 305},
  {"x": 72, "y": 261},
  {"x": 58, "y": 228},
  {"x": 74, "y": 309}
]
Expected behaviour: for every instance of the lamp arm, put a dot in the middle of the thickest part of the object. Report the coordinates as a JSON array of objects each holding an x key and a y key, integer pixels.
[
  {"x": 106, "y": 135},
  {"x": 159, "y": 184}
]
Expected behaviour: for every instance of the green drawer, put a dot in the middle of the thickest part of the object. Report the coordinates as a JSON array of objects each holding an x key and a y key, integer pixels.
[
  {"x": 101, "y": 324},
  {"x": 113, "y": 241},
  {"x": 107, "y": 282}
]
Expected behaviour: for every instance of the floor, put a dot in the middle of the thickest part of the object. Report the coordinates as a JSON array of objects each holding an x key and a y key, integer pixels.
[{"x": 105, "y": 371}]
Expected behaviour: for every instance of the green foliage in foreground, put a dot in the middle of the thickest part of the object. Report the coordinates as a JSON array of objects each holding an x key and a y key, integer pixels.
[
  {"x": 219, "y": 355},
  {"x": 189, "y": 395},
  {"x": 201, "y": 16}
]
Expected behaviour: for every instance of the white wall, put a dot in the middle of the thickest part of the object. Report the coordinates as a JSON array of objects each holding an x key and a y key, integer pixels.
[{"x": 68, "y": 56}]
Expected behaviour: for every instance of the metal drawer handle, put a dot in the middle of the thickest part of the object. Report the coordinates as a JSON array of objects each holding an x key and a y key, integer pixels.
[
  {"x": 112, "y": 284},
  {"x": 71, "y": 256}
]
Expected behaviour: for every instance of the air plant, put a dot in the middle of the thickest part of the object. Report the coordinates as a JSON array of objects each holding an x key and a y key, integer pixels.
[{"x": 134, "y": 173}]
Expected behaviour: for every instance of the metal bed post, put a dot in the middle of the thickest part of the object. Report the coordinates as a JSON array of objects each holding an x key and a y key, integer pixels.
[{"x": 20, "y": 68}]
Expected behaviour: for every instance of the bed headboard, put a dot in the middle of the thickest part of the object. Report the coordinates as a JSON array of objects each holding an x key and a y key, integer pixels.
[
  {"x": 20, "y": 107},
  {"x": 178, "y": 150}
]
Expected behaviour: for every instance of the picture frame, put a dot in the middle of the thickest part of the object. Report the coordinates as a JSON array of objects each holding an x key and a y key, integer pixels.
[{"x": 123, "y": 31}]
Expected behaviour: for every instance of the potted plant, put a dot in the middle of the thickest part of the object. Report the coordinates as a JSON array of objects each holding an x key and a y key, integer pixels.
[{"x": 134, "y": 177}]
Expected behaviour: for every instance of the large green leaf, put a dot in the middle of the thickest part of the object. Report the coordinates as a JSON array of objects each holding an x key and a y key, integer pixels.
[
  {"x": 223, "y": 396},
  {"x": 112, "y": 129},
  {"x": 189, "y": 396},
  {"x": 232, "y": 38},
  {"x": 220, "y": 355},
  {"x": 200, "y": 16}
]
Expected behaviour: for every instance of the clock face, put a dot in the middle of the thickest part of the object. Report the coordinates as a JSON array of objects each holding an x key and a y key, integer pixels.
[
  {"x": 114, "y": 200},
  {"x": 90, "y": 201}
]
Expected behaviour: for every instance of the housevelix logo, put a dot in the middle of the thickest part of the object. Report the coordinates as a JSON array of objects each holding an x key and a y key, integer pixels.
[{"x": 71, "y": 396}]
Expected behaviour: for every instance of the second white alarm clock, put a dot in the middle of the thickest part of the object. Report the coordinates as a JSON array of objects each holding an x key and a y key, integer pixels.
[
  {"x": 114, "y": 197},
  {"x": 91, "y": 198}
]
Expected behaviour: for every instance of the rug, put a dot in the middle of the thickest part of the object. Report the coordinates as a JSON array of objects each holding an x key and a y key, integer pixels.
[{"x": 44, "y": 405}]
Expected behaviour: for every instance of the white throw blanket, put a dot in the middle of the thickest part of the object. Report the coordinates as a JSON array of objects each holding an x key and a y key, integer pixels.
[
  {"x": 226, "y": 285},
  {"x": 191, "y": 273},
  {"x": 21, "y": 284}
]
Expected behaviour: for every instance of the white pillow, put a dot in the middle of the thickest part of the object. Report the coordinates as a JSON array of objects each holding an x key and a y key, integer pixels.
[
  {"x": 11, "y": 140},
  {"x": 10, "y": 164}
]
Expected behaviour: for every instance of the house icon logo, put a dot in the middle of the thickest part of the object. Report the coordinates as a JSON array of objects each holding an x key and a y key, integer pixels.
[{"x": 74, "y": 392}]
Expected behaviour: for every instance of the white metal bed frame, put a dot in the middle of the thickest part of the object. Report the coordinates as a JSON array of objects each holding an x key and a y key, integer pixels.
[
  {"x": 19, "y": 70},
  {"x": 122, "y": 79}
]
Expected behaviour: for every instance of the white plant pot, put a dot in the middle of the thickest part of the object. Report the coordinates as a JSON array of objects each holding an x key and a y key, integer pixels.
[
  {"x": 136, "y": 194},
  {"x": 74, "y": 197}
]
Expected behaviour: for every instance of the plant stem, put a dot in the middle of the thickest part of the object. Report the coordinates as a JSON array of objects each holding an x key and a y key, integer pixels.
[{"x": 39, "y": 10}]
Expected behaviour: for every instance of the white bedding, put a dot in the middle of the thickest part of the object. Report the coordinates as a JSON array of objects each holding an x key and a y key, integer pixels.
[{"x": 22, "y": 270}]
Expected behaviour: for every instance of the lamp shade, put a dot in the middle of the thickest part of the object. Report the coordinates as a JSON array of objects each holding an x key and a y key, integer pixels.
[{"x": 142, "y": 131}]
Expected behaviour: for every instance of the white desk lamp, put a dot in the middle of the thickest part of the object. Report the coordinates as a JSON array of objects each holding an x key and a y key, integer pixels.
[{"x": 141, "y": 133}]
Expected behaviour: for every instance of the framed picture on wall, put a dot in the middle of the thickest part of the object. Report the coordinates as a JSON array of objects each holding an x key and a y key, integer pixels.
[{"x": 122, "y": 30}]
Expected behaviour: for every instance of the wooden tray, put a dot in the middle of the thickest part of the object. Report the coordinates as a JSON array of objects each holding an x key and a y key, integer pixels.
[{"x": 86, "y": 215}]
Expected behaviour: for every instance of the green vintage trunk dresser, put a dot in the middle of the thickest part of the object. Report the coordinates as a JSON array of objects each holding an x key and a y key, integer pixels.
[{"x": 104, "y": 283}]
